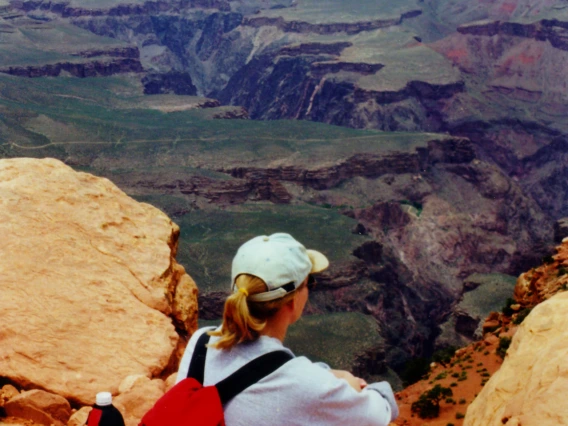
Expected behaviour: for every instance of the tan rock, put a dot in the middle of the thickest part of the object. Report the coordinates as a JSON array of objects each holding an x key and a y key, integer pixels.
[
  {"x": 491, "y": 339},
  {"x": 545, "y": 281},
  {"x": 40, "y": 406},
  {"x": 137, "y": 400},
  {"x": 6, "y": 393},
  {"x": 490, "y": 325},
  {"x": 531, "y": 386},
  {"x": 460, "y": 351},
  {"x": 79, "y": 417},
  {"x": 131, "y": 381},
  {"x": 171, "y": 381},
  {"x": 87, "y": 281}
]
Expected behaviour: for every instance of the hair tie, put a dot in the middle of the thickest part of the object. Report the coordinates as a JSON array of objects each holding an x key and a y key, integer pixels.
[{"x": 244, "y": 291}]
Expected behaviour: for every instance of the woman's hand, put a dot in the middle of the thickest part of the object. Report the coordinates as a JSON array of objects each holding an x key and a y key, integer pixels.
[{"x": 355, "y": 382}]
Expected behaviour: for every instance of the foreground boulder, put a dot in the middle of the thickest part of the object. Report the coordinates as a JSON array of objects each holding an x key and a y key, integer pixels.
[
  {"x": 40, "y": 406},
  {"x": 90, "y": 292},
  {"x": 530, "y": 388}
]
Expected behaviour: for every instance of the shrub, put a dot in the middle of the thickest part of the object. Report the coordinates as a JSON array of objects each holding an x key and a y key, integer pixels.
[
  {"x": 504, "y": 343},
  {"x": 522, "y": 315},
  {"x": 462, "y": 401},
  {"x": 460, "y": 416},
  {"x": 414, "y": 370},
  {"x": 428, "y": 404},
  {"x": 548, "y": 260},
  {"x": 507, "y": 308},
  {"x": 444, "y": 356},
  {"x": 441, "y": 376}
]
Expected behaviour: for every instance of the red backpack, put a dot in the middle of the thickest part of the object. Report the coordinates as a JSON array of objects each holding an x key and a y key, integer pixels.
[{"x": 189, "y": 403}]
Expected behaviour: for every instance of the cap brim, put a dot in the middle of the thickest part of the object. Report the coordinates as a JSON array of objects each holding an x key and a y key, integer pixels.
[{"x": 319, "y": 261}]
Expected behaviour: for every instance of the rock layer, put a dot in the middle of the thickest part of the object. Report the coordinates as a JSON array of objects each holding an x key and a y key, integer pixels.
[{"x": 88, "y": 279}]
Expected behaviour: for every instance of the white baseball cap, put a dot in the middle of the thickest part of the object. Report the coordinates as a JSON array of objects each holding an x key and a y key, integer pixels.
[{"x": 278, "y": 260}]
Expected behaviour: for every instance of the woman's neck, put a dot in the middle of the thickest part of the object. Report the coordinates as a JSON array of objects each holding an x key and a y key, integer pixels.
[{"x": 275, "y": 327}]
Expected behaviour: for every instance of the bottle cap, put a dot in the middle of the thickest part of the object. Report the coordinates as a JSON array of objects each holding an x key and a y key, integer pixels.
[{"x": 104, "y": 398}]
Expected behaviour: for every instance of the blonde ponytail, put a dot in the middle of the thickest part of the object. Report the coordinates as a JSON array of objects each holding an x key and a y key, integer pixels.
[{"x": 243, "y": 320}]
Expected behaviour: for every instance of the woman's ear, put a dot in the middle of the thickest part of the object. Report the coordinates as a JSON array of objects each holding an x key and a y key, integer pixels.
[{"x": 291, "y": 304}]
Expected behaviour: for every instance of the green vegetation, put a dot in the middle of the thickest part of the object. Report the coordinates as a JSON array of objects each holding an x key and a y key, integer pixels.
[
  {"x": 107, "y": 126},
  {"x": 415, "y": 370},
  {"x": 340, "y": 337},
  {"x": 504, "y": 343},
  {"x": 507, "y": 308},
  {"x": 211, "y": 237},
  {"x": 441, "y": 376},
  {"x": 521, "y": 315},
  {"x": 548, "y": 260},
  {"x": 418, "y": 368},
  {"x": 460, "y": 415},
  {"x": 418, "y": 206},
  {"x": 428, "y": 404}
]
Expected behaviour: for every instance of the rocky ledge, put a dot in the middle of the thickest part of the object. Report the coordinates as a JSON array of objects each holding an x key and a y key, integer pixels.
[
  {"x": 93, "y": 68},
  {"x": 531, "y": 385},
  {"x": 452, "y": 151},
  {"x": 65, "y": 9},
  {"x": 553, "y": 31},
  {"x": 331, "y": 28}
]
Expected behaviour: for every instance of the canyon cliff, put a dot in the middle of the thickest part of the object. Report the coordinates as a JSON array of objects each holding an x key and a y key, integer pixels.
[
  {"x": 453, "y": 179},
  {"x": 529, "y": 387},
  {"x": 514, "y": 373}
]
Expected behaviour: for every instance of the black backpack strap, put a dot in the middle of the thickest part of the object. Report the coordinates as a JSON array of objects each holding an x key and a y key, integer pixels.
[
  {"x": 250, "y": 374},
  {"x": 197, "y": 364}
]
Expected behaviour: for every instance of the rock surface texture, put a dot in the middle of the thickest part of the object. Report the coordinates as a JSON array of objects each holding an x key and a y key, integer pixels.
[
  {"x": 530, "y": 388},
  {"x": 88, "y": 282}
]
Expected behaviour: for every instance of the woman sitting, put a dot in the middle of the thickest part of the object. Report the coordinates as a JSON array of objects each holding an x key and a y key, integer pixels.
[{"x": 270, "y": 276}]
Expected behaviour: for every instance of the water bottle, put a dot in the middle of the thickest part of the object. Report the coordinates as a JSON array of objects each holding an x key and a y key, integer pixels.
[{"x": 104, "y": 413}]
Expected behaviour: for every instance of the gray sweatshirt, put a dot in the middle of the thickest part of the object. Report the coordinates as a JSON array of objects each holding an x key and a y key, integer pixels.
[{"x": 298, "y": 393}]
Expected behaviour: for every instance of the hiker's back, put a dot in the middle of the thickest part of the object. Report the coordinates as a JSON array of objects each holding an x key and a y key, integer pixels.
[{"x": 298, "y": 393}]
